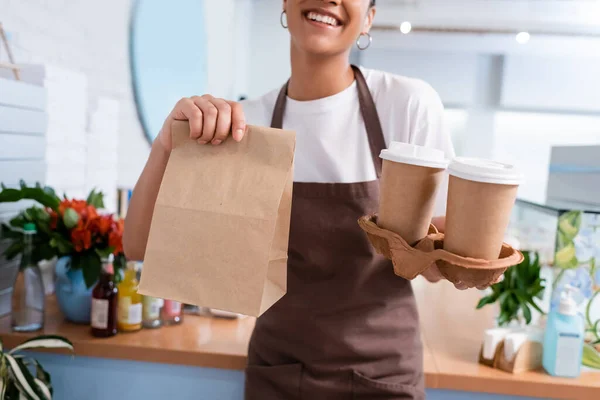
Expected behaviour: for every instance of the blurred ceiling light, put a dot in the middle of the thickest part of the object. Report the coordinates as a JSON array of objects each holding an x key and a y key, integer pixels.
[
  {"x": 406, "y": 27},
  {"x": 523, "y": 37}
]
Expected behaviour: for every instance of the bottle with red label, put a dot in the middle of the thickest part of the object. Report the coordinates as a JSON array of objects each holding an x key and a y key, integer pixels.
[
  {"x": 171, "y": 312},
  {"x": 104, "y": 302}
]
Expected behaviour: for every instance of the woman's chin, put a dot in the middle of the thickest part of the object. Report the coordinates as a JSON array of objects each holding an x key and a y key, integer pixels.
[{"x": 320, "y": 47}]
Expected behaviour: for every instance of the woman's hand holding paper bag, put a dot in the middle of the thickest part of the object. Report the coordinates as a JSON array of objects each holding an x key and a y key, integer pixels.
[{"x": 211, "y": 120}]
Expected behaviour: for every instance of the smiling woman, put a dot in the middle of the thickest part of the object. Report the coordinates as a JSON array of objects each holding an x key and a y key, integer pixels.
[{"x": 336, "y": 333}]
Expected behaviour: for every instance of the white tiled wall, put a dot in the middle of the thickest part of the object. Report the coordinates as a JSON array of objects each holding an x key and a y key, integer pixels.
[{"x": 90, "y": 37}]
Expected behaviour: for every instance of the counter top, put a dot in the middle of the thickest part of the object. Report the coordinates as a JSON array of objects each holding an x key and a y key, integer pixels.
[{"x": 452, "y": 334}]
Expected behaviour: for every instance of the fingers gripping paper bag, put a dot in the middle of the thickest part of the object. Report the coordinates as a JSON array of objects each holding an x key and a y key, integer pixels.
[{"x": 219, "y": 233}]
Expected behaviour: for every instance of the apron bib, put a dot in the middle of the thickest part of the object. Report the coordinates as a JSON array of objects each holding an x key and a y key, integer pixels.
[{"x": 348, "y": 327}]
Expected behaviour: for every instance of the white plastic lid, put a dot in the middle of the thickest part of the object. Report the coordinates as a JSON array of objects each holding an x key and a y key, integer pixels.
[
  {"x": 415, "y": 155},
  {"x": 568, "y": 305},
  {"x": 486, "y": 171}
]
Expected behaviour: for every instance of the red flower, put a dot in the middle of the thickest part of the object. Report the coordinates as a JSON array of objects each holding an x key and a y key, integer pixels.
[
  {"x": 81, "y": 239},
  {"x": 115, "y": 240},
  {"x": 89, "y": 213},
  {"x": 101, "y": 225},
  {"x": 62, "y": 207},
  {"x": 105, "y": 223},
  {"x": 53, "y": 219},
  {"x": 79, "y": 206}
]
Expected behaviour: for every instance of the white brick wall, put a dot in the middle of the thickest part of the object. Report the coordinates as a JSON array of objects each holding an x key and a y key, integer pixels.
[{"x": 90, "y": 37}]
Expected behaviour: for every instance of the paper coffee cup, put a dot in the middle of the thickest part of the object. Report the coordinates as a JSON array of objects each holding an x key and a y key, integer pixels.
[
  {"x": 481, "y": 195},
  {"x": 410, "y": 179}
]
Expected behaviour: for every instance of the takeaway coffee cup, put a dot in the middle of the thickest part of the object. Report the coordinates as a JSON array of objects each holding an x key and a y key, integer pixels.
[
  {"x": 410, "y": 179},
  {"x": 481, "y": 195}
]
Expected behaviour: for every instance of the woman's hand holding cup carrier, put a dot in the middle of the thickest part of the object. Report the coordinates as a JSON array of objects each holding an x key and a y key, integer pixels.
[{"x": 211, "y": 120}]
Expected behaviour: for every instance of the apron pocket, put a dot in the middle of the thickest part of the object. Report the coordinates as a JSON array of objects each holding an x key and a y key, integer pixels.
[
  {"x": 273, "y": 382},
  {"x": 364, "y": 388}
]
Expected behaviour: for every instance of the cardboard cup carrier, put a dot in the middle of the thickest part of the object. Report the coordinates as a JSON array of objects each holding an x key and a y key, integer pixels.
[{"x": 480, "y": 200}]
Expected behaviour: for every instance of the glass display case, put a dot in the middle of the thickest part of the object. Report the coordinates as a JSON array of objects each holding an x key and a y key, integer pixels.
[{"x": 567, "y": 237}]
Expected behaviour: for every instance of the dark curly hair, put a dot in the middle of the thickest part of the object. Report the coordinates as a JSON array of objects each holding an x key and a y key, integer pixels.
[{"x": 372, "y": 3}]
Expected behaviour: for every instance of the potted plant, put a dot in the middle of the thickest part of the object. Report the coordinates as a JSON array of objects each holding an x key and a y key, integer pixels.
[
  {"x": 518, "y": 291},
  {"x": 72, "y": 230},
  {"x": 16, "y": 379}
]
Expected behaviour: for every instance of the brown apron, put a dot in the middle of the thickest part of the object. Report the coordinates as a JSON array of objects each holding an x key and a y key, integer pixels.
[{"x": 348, "y": 327}]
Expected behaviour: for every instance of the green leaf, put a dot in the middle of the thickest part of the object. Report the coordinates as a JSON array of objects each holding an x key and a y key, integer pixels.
[
  {"x": 91, "y": 266},
  {"x": 46, "y": 342},
  {"x": 102, "y": 253},
  {"x": 534, "y": 305},
  {"x": 63, "y": 245},
  {"x": 503, "y": 319},
  {"x": 591, "y": 358},
  {"x": 11, "y": 391},
  {"x": 50, "y": 192},
  {"x": 120, "y": 261},
  {"x": 43, "y": 376},
  {"x": 25, "y": 193},
  {"x": 14, "y": 250},
  {"x": 24, "y": 379},
  {"x": 70, "y": 218},
  {"x": 96, "y": 199},
  {"x": 503, "y": 296},
  {"x": 39, "y": 214},
  {"x": 526, "y": 312},
  {"x": 44, "y": 388},
  {"x": 3, "y": 386},
  {"x": 485, "y": 301}
]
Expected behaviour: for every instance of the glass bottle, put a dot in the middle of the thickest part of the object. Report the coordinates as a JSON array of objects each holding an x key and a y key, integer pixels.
[
  {"x": 28, "y": 293},
  {"x": 130, "y": 301},
  {"x": 105, "y": 301},
  {"x": 171, "y": 313},
  {"x": 151, "y": 307}
]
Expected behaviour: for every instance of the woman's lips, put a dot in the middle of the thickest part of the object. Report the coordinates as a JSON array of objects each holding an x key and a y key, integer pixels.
[{"x": 322, "y": 20}]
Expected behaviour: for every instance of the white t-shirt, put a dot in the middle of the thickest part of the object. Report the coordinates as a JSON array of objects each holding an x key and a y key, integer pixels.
[{"x": 331, "y": 138}]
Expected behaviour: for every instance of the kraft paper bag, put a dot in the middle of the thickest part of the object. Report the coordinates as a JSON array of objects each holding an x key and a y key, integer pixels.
[{"x": 219, "y": 233}]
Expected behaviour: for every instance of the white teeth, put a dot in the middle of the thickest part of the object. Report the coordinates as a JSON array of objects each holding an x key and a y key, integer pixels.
[{"x": 322, "y": 18}]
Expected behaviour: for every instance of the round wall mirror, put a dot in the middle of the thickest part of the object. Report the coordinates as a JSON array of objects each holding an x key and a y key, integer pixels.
[{"x": 165, "y": 68}]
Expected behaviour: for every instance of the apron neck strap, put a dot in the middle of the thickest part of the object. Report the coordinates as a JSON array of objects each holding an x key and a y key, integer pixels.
[{"x": 367, "y": 109}]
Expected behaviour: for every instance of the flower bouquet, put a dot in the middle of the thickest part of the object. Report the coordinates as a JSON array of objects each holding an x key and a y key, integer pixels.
[{"x": 65, "y": 227}]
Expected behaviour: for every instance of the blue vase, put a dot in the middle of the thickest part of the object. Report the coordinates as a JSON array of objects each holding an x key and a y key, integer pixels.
[{"x": 74, "y": 298}]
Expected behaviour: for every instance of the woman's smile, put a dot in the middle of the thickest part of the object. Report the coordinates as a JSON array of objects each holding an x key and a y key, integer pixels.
[{"x": 322, "y": 19}]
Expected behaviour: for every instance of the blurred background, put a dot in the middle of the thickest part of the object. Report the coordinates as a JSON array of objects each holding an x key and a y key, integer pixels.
[{"x": 86, "y": 85}]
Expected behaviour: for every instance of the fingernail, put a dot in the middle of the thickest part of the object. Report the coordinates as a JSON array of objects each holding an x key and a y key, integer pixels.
[
  {"x": 202, "y": 141},
  {"x": 238, "y": 134},
  {"x": 215, "y": 142}
]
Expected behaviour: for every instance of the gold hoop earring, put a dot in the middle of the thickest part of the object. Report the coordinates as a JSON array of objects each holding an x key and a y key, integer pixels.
[
  {"x": 369, "y": 41},
  {"x": 284, "y": 25}
]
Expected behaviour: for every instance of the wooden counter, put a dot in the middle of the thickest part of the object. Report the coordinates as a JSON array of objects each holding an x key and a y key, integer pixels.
[{"x": 452, "y": 334}]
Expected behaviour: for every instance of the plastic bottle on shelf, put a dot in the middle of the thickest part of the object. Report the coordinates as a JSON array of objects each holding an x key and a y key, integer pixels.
[{"x": 563, "y": 339}]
